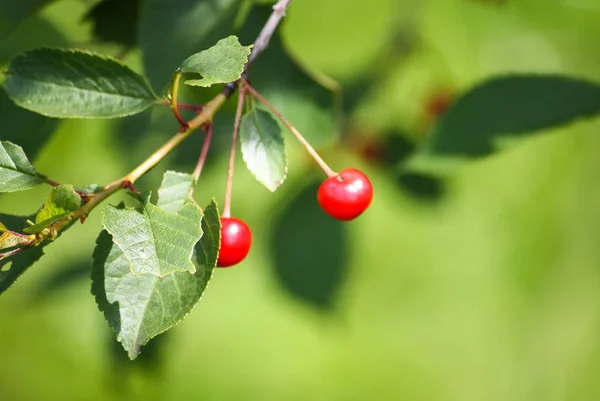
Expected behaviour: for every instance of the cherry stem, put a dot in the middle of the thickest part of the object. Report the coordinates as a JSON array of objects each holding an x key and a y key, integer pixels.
[
  {"x": 174, "y": 106},
  {"x": 326, "y": 169},
  {"x": 202, "y": 158},
  {"x": 236, "y": 128}
]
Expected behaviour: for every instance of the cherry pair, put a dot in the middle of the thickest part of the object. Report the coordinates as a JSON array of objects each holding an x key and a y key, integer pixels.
[{"x": 343, "y": 196}]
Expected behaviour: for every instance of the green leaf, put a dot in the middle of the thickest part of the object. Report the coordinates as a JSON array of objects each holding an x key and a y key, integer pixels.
[
  {"x": 153, "y": 240},
  {"x": 513, "y": 105},
  {"x": 139, "y": 307},
  {"x": 174, "y": 190},
  {"x": 169, "y": 31},
  {"x": 262, "y": 148},
  {"x": 115, "y": 21},
  {"x": 63, "y": 199},
  {"x": 16, "y": 172},
  {"x": 313, "y": 272},
  {"x": 76, "y": 84},
  {"x": 207, "y": 249},
  {"x": 222, "y": 63}
]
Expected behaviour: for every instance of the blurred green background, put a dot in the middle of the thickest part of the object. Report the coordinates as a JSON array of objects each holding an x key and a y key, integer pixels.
[{"x": 483, "y": 286}]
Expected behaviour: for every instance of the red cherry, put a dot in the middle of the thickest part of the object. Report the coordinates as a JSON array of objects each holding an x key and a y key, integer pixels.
[
  {"x": 346, "y": 195},
  {"x": 236, "y": 239}
]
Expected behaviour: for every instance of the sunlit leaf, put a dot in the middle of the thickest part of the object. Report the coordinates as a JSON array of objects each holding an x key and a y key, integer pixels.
[
  {"x": 153, "y": 240},
  {"x": 62, "y": 199},
  {"x": 139, "y": 307},
  {"x": 222, "y": 63},
  {"x": 174, "y": 190},
  {"x": 76, "y": 84},
  {"x": 262, "y": 148}
]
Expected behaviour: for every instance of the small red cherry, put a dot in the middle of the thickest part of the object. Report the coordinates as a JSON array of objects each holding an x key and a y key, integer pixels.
[
  {"x": 236, "y": 239},
  {"x": 346, "y": 195}
]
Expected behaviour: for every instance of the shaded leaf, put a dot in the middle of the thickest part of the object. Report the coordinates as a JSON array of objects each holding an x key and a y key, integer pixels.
[
  {"x": 174, "y": 190},
  {"x": 263, "y": 149},
  {"x": 511, "y": 105},
  {"x": 115, "y": 21},
  {"x": 13, "y": 267},
  {"x": 222, "y": 63},
  {"x": 153, "y": 240},
  {"x": 207, "y": 249},
  {"x": 139, "y": 307},
  {"x": 13, "y": 12},
  {"x": 29, "y": 130},
  {"x": 192, "y": 25},
  {"x": 310, "y": 251},
  {"x": 16, "y": 172},
  {"x": 76, "y": 84}
]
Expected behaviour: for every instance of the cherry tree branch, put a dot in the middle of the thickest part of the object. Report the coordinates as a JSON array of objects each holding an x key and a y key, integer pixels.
[
  {"x": 263, "y": 39},
  {"x": 204, "y": 116}
]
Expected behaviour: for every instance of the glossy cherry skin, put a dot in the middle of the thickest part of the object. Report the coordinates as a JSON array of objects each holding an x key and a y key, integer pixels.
[
  {"x": 346, "y": 195},
  {"x": 236, "y": 239}
]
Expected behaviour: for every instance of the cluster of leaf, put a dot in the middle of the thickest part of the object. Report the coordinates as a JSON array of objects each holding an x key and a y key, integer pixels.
[
  {"x": 52, "y": 83},
  {"x": 152, "y": 262}
]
